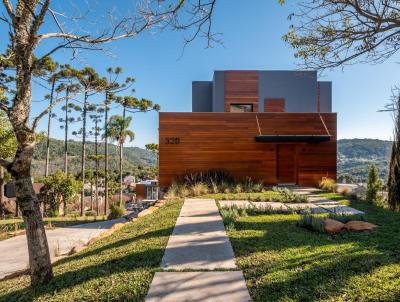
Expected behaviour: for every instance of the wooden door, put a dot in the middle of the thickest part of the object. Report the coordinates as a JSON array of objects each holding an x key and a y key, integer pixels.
[{"x": 286, "y": 163}]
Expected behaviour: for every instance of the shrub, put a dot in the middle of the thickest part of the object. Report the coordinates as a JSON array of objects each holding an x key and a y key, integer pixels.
[
  {"x": 344, "y": 218},
  {"x": 248, "y": 185},
  {"x": 345, "y": 191},
  {"x": 199, "y": 189},
  {"x": 327, "y": 184},
  {"x": 374, "y": 185},
  {"x": 287, "y": 195},
  {"x": 258, "y": 187},
  {"x": 311, "y": 222},
  {"x": 238, "y": 188},
  {"x": 214, "y": 187},
  {"x": 116, "y": 212},
  {"x": 206, "y": 177},
  {"x": 91, "y": 213}
]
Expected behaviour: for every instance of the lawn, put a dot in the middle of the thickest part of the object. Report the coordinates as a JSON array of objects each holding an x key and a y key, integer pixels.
[
  {"x": 117, "y": 268},
  {"x": 282, "y": 262},
  {"x": 16, "y": 224}
]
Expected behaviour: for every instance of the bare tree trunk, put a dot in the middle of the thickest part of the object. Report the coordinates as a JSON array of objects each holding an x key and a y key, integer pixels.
[
  {"x": 106, "y": 156},
  {"x": 120, "y": 173},
  {"x": 1, "y": 191},
  {"x": 66, "y": 133},
  {"x": 97, "y": 164},
  {"x": 46, "y": 172},
  {"x": 39, "y": 255},
  {"x": 83, "y": 160}
]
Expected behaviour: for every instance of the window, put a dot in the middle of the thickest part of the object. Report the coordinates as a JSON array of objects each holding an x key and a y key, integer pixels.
[{"x": 241, "y": 108}]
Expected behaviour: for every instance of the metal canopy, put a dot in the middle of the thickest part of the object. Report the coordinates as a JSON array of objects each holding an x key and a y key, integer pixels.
[{"x": 293, "y": 138}]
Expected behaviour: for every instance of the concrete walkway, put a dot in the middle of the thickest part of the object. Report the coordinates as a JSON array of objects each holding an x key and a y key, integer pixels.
[
  {"x": 199, "y": 242},
  {"x": 14, "y": 251}
]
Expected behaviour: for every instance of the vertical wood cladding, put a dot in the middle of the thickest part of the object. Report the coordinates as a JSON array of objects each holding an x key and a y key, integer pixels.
[
  {"x": 274, "y": 105},
  {"x": 241, "y": 87},
  {"x": 226, "y": 141}
]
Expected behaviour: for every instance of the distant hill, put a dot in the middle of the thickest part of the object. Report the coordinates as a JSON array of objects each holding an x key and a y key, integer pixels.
[
  {"x": 356, "y": 155},
  {"x": 133, "y": 156}
]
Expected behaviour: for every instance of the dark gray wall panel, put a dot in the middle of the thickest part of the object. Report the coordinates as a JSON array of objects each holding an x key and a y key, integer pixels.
[
  {"x": 325, "y": 89},
  {"x": 298, "y": 88},
  {"x": 202, "y": 96},
  {"x": 218, "y": 104}
]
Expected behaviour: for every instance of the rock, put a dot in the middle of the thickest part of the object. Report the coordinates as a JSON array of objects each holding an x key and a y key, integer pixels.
[
  {"x": 333, "y": 226},
  {"x": 360, "y": 226}
]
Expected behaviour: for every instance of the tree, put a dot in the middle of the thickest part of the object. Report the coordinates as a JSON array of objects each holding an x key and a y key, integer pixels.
[
  {"x": 331, "y": 33},
  {"x": 154, "y": 148},
  {"x": 30, "y": 44},
  {"x": 62, "y": 188},
  {"x": 8, "y": 147},
  {"x": 67, "y": 120},
  {"x": 91, "y": 84},
  {"x": 96, "y": 119},
  {"x": 394, "y": 164},
  {"x": 118, "y": 131},
  {"x": 374, "y": 185}
]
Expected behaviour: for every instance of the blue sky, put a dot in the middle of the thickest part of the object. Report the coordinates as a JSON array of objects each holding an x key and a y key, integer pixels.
[{"x": 252, "y": 32}]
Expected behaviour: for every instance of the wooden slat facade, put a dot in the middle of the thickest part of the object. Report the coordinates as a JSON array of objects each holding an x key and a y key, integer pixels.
[
  {"x": 274, "y": 105},
  {"x": 226, "y": 141},
  {"x": 241, "y": 87}
]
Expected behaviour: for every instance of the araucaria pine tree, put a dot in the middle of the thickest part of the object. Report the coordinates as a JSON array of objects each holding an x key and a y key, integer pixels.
[
  {"x": 394, "y": 165},
  {"x": 374, "y": 185}
]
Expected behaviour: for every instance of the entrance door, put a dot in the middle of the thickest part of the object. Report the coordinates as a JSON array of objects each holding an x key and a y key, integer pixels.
[{"x": 286, "y": 163}]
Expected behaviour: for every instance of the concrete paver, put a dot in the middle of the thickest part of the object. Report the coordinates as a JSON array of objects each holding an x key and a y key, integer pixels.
[
  {"x": 342, "y": 209},
  {"x": 198, "y": 286},
  {"x": 199, "y": 239},
  {"x": 14, "y": 251},
  {"x": 199, "y": 242}
]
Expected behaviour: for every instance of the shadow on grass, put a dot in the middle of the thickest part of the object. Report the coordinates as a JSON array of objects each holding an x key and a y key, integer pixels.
[
  {"x": 284, "y": 262},
  {"x": 117, "y": 268}
]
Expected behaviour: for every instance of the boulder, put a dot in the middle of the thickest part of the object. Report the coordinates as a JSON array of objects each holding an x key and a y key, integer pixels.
[
  {"x": 359, "y": 226},
  {"x": 333, "y": 226}
]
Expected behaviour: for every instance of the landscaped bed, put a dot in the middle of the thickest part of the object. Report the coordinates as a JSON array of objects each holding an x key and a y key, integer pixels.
[
  {"x": 117, "y": 268},
  {"x": 13, "y": 226},
  {"x": 284, "y": 262}
]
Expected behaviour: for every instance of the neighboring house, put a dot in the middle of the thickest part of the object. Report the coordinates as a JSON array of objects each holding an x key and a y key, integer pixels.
[{"x": 272, "y": 126}]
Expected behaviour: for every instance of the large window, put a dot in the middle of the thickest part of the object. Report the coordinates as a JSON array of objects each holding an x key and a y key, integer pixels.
[{"x": 241, "y": 108}]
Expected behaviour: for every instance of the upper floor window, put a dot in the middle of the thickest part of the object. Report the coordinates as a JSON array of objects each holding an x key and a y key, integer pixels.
[{"x": 241, "y": 108}]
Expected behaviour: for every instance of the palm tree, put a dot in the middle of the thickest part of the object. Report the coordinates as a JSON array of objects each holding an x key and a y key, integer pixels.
[{"x": 117, "y": 130}]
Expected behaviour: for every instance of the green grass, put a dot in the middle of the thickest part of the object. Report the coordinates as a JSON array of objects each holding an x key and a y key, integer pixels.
[
  {"x": 117, "y": 268},
  {"x": 13, "y": 224},
  {"x": 283, "y": 262}
]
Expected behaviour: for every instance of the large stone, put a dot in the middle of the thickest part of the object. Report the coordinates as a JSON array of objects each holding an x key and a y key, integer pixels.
[
  {"x": 333, "y": 226},
  {"x": 360, "y": 226}
]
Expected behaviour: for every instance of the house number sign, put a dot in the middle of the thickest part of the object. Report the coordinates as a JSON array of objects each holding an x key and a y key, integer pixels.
[{"x": 172, "y": 140}]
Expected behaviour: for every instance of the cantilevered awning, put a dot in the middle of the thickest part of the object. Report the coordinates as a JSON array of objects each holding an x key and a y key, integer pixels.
[
  {"x": 293, "y": 138},
  {"x": 315, "y": 134}
]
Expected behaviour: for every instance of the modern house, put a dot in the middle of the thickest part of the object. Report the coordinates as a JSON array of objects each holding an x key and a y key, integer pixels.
[{"x": 272, "y": 126}]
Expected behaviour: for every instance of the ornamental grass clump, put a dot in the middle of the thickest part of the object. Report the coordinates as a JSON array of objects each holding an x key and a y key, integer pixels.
[
  {"x": 328, "y": 184},
  {"x": 199, "y": 189},
  {"x": 310, "y": 222}
]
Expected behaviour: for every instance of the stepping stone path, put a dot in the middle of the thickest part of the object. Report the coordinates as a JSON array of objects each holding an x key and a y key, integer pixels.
[
  {"x": 317, "y": 204},
  {"x": 199, "y": 243}
]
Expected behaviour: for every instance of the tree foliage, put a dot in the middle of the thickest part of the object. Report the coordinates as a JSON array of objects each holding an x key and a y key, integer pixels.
[
  {"x": 394, "y": 165},
  {"x": 374, "y": 185},
  {"x": 332, "y": 33},
  {"x": 61, "y": 188}
]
